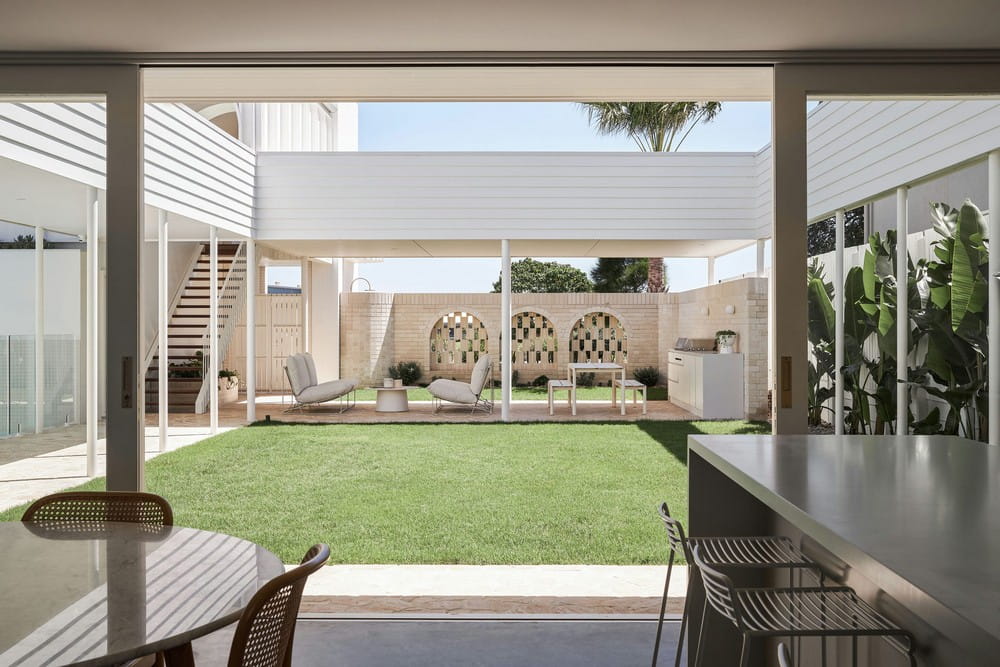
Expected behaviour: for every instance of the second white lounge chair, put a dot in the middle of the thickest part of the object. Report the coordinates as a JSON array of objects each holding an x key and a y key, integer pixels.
[{"x": 466, "y": 393}]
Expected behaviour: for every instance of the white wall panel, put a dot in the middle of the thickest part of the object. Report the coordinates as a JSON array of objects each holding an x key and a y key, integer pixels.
[{"x": 506, "y": 195}]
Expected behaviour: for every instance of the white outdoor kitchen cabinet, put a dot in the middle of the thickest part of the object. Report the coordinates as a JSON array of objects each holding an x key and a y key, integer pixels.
[{"x": 708, "y": 384}]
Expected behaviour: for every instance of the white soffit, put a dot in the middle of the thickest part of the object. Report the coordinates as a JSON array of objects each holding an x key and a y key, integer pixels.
[
  {"x": 454, "y": 83},
  {"x": 518, "y": 248}
]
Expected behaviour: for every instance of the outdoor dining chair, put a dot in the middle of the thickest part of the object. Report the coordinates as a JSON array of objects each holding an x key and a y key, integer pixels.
[
  {"x": 266, "y": 630},
  {"x": 86, "y": 508}
]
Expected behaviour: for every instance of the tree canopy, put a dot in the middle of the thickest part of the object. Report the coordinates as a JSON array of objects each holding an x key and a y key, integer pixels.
[
  {"x": 822, "y": 235},
  {"x": 623, "y": 274},
  {"x": 530, "y": 275}
]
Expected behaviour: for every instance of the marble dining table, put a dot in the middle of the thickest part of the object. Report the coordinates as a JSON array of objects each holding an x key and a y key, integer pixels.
[{"x": 105, "y": 593}]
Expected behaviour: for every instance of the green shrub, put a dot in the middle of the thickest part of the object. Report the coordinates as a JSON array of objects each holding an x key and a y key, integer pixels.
[
  {"x": 513, "y": 379},
  {"x": 585, "y": 379},
  {"x": 648, "y": 375},
  {"x": 540, "y": 381},
  {"x": 407, "y": 371}
]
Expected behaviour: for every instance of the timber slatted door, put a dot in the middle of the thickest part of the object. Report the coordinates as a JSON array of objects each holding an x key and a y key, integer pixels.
[{"x": 279, "y": 334}]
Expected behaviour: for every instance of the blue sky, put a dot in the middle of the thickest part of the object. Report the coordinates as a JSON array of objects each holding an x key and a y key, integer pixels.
[{"x": 527, "y": 126}]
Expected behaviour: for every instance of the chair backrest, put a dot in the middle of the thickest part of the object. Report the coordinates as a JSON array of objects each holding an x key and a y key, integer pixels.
[
  {"x": 675, "y": 533},
  {"x": 784, "y": 660},
  {"x": 298, "y": 373},
  {"x": 87, "y": 508},
  {"x": 266, "y": 629},
  {"x": 480, "y": 374},
  {"x": 719, "y": 591},
  {"x": 310, "y": 365}
]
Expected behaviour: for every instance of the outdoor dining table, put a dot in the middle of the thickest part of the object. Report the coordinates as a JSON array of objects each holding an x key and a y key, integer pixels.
[
  {"x": 599, "y": 367},
  {"x": 105, "y": 594}
]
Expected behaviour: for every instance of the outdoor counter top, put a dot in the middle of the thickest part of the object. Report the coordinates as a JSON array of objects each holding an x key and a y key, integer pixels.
[{"x": 915, "y": 518}]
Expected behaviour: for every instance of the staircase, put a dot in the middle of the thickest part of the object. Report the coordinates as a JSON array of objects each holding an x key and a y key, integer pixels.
[{"x": 187, "y": 333}]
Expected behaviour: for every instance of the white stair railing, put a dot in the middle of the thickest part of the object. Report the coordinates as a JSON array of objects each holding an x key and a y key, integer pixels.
[{"x": 231, "y": 302}]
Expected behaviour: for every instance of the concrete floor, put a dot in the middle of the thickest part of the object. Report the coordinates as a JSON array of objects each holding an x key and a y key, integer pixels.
[{"x": 497, "y": 642}]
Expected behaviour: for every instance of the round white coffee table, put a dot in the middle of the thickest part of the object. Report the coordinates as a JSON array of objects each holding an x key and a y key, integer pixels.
[{"x": 391, "y": 399}]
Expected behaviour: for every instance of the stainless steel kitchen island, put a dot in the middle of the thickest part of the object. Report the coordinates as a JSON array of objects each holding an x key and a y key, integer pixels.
[{"x": 911, "y": 523}]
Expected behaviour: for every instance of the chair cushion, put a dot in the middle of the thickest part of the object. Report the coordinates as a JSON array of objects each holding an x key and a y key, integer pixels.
[
  {"x": 480, "y": 373},
  {"x": 452, "y": 390},
  {"x": 298, "y": 374},
  {"x": 310, "y": 368},
  {"x": 326, "y": 391}
]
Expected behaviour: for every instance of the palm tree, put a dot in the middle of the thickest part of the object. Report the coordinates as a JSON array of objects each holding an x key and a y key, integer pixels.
[{"x": 655, "y": 127}]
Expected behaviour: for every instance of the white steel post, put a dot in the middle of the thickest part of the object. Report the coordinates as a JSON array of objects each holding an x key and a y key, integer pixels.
[
  {"x": 93, "y": 328},
  {"x": 163, "y": 338},
  {"x": 39, "y": 329},
  {"x": 505, "y": 316},
  {"x": 838, "y": 334},
  {"x": 993, "y": 353},
  {"x": 251, "y": 366},
  {"x": 760, "y": 257},
  {"x": 902, "y": 315},
  {"x": 711, "y": 270},
  {"x": 306, "y": 283},
  {"x": 213, "y": 330}
]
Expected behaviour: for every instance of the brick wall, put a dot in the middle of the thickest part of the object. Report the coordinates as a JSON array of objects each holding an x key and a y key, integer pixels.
[{"x": 380, "y": 329}]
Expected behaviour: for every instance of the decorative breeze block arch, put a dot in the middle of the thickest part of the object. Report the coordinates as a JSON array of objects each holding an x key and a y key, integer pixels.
[
  {"x": 598, "y": 338},
  {"x": 456, "y": 341},
  {"x": 533, "y": 341}
]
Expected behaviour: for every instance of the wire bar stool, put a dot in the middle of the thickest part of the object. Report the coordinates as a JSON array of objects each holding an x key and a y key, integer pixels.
[
  {"x": 795, "y": 612},
  {"x": 764, "y": 552}
]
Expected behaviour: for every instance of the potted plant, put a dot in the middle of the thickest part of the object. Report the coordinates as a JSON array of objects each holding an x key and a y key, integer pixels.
[
  {"x": 229, "y": 386},
  {"x": 726, "y": 341}
]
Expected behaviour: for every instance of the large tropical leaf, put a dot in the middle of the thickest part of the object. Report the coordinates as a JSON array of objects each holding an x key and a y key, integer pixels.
[{"x": 965, "y": 297}]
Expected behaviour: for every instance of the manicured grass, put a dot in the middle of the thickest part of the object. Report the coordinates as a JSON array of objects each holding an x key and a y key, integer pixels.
[
  {"x": 530, "y": 394},
  {"x": 438, "y": 493}
]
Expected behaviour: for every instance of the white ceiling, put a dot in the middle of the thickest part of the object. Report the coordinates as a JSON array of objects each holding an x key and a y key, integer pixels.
[{"x": 151, "y": 26}]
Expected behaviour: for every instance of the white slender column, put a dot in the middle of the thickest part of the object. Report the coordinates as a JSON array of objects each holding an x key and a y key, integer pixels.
[
  {"x": 39, "y": 329},
  {"x": 902, "y": 315},
  {"x": 505, "y": 316},
  {"x": 711, "y": 270},
  {"x": 93, "y": 328},
  {"x": 760, "y": 257},
  {"x": 213, "y": 330},
  {"x": 993, "y": 332},
  {"x": 163, "y": 337},
  {"x": 306, "y": 306},
  {"x": 251, "y": 319},
  {"x": 838, "y": 333}
]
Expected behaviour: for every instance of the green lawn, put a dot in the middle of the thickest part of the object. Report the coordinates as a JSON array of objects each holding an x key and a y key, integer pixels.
[
  {"x": 438, "y": 493},
  {"x": 529, "y": 394}
]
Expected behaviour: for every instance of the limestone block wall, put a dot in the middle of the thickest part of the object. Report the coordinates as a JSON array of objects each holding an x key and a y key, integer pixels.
[{"x": 380, "y": 329}]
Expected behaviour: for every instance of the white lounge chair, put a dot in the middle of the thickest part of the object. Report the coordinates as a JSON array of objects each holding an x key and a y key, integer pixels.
[
  {"x": 466, "y": 393},
  {"x": 301, "y": 372}
]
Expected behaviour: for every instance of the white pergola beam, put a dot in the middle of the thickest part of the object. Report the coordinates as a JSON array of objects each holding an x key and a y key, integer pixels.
[
  {"x": 93, "y": 351},
  {"x": 993, "y": 354},
  {"x": 902, "y": 314},
  {"x": 39, "y": 329},
  {"x": 251, "y": 320},
  {"x": 163, "y": 339},
  {"x": 505, "y": 317},
  {"x": 213, "y": 330},
  {"x": 838, "y": 334}
]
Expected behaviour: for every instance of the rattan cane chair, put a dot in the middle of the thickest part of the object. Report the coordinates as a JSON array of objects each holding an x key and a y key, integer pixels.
[
  {"x": 266, "y": 630},
  {"x": 833, "y": 611},
  {"x": 85, "y": 509},
  {"x": 766, "y": 552}
]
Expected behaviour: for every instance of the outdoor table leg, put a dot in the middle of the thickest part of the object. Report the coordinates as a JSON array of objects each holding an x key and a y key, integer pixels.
[
  {"x": 623, "y": 391},
  {"x": 179, "y": 656}
]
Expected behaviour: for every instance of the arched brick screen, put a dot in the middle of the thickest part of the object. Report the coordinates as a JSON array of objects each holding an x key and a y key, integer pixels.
[
  {"x": 457, "y": 340},
  {"x": 533, "y": 342},
  {"x": 598, "y": 337}
]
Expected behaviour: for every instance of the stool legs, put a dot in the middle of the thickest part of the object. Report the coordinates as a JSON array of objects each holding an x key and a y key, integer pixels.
[{"x": 663, "y": 611}]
